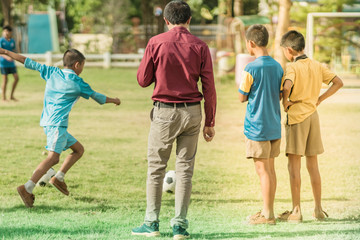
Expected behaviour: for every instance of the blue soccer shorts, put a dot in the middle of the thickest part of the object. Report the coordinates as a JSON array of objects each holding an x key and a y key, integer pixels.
[
  {"x": 8, "y": 70},
  {"x": 58, "y": 139}
]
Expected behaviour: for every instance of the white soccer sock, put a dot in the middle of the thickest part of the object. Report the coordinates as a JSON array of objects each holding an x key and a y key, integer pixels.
[
  {"x": 29, "y": 186},
  {"x": 60, "y": 176}
]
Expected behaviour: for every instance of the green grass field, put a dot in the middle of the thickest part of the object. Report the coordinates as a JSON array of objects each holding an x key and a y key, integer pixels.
[{"x": 107, "y": 186}]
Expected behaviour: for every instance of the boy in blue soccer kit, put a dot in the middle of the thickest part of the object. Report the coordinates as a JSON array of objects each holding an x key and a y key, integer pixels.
[
  {"x": 7, "y": 64},
  {"x": 63, "y": 88},
  {"x": 261, "y": 87}
]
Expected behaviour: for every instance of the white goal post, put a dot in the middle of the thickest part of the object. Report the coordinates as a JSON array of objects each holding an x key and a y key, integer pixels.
[{"x": 310, "y": 26}]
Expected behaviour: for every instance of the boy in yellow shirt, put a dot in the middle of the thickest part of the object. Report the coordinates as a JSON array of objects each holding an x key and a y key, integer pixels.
[{"x": 301, "y": 89}]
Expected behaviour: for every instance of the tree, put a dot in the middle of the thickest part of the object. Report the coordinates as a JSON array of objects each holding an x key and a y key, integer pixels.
[
  {"x": 114, "y": 18},
  {"x": 282, "y": 27},
  {"x": 238, "y": 8},
  {"x": 146, "y": 18},
  {"x": 6, "y": 10}
]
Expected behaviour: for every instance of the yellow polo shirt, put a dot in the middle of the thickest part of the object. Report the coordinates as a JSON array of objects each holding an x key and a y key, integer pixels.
[{"x": 307, "y": 77}]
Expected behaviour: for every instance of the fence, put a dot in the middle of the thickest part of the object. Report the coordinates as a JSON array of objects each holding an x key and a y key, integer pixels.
[{"x": 106, "y": 60}]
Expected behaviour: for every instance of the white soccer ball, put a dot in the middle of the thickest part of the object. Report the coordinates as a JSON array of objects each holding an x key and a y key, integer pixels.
[
  {"x": 44, "y": 180},
  {"x": 169, "y": 182}
]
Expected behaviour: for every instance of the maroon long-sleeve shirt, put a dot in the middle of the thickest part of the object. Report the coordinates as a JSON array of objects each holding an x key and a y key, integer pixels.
[{"x": 175, "y": 60}]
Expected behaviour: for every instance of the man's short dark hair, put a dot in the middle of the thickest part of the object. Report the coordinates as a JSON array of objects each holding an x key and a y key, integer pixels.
[
  {"x": 72, "y": 56},
  {"x": 7, "y": 27},
  {"x": 293, "y": 39},
  {"x": 177, "y": 12},
  {"x": 258, "y": 34}
]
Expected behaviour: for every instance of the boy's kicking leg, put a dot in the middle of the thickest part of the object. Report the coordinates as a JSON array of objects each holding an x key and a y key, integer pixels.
[
  {"x": 268, "y": 186},
  {"x": 25, "y": 191},
  {"x": 58, "y": 180},
  {"x": 313, "y": 169},
  {"x": 16, "y": 80},
  {"x": 78, "y": 151}
]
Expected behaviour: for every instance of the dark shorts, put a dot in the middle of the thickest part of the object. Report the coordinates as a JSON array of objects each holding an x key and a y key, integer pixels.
[{"x": 8, "y": 70}]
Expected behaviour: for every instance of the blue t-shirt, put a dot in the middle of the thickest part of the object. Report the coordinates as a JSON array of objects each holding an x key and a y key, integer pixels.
[
  {"x": 10, "y": 46},
  {"x": 63, "y": 88},
  {"x": 261, "y": 82}
]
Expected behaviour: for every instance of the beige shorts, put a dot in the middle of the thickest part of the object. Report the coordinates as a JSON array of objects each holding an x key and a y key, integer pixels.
[
  {"x": 304, "y": 138},
  {"x": 262, "y": 149}
]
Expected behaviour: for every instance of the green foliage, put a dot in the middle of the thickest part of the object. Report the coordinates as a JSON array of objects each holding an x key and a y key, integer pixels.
[
  {"x": 135, "y": 9},
  {"x": 330, "y": 33},
  {"x": 81, "y": 14},
  {"x": 251, "y": 7},
  {"x": 200, "y": 10},
  {"x": 333, "y": 5},
  {"x": 107, "y": 185},
  {"x": 207, "y": 11}
]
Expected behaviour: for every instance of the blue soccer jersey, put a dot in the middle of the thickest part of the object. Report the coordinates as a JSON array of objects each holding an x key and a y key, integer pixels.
[
  {"x": 261, "y": 82},
  {"x": 63, "y": 88},
  {"x": 10, "y": 46}
]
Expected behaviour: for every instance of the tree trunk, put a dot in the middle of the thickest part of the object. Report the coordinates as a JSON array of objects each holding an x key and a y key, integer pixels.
[
  {"x": 282, "y": 27},
  {"x": 146, "y": 19},
  {"x": 6, "y": 9},
  {"x": 238, "y": 8},
  {"x": 160, "y": 19},
  {"x": 221, "y": 16},
  {"x": 229, "y": 8}
]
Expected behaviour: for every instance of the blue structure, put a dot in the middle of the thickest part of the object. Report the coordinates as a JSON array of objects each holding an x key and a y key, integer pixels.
[{"x": 39, "y": 33}]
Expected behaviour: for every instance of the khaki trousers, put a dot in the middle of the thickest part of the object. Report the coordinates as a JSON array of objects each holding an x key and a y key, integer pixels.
[{"x": 167, "y": 125}]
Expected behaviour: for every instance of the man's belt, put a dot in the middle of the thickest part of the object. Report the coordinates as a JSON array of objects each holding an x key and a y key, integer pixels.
[{"x": 174, "y": 105}]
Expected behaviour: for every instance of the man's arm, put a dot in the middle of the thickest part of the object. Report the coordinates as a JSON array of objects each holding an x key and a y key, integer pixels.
[
  {"x": 209, "y": 92},
  {"x": 336, "y": 85},
  {"x": 286, "y": 93},
  {"x": 15, "y": 56},
  {"x": 208, "y": 133},
  {"x": 145, "y": 74}
]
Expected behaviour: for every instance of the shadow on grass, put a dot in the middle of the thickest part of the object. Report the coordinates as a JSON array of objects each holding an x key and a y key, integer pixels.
[
  {"x": 24, "y": 232},
  {"x": 50, "y": 209},
  {"x": 327, "y": 221},
  {"x": 243, "y": 200},
  {"x": 285, "y": 235}
]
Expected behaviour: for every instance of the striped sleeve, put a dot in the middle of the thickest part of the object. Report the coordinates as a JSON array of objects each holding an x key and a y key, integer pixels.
[{"x": 245, "y": 83}]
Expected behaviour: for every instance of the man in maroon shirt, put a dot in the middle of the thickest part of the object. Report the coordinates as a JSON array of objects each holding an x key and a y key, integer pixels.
[{"x": 174, "y": 61}]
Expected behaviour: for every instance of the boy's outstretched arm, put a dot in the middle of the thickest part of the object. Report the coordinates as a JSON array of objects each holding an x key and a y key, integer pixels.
[
  {"x": 336, "y": 85},
  {"x": 115, "y": 101},
  {"x": 102, "y": 99},
  {"x": 15, "y": 56}
]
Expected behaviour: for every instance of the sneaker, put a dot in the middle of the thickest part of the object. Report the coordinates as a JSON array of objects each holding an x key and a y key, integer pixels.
[
  {"x": 323, "y": 215},
  {"x": 180, "y": 233},
  {"x": 28, "y": 198},
  {"x": 61, "y": 186},
  {"x": 148, "y": 231},
  {"x": 258, "y": 218},
  {"x": 251, "y": 217},
  {"x": 289, "y": 216}
]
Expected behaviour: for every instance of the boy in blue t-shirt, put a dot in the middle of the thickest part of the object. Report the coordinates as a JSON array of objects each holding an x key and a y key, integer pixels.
[
  {"x": 7, "y": 64},
  {"x": 261, "y": 87},
  {"x": 63, "y": 89}
]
